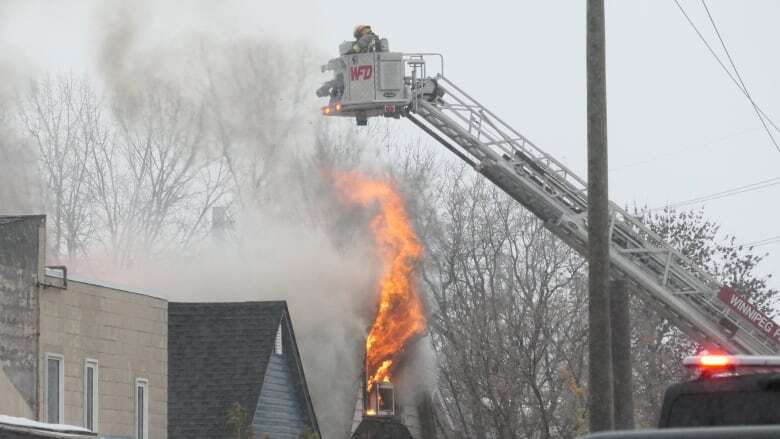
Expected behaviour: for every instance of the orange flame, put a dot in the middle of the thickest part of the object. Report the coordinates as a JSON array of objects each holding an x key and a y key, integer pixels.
[{"x": 400, "y": 317}]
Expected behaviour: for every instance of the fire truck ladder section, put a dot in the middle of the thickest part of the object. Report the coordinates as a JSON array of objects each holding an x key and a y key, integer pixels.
[{"x": 665, "y": 278}]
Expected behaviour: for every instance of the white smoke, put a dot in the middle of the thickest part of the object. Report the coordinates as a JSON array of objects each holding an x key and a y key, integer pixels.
[{"x": 291, "y": 239}]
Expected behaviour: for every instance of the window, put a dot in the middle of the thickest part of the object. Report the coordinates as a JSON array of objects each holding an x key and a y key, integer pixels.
[
  {"x": 91, "y": 395},
  {"x": 278, "y": 342},
  {"x": 141, "y": 408},
  {"x": 54, "y": 392}
]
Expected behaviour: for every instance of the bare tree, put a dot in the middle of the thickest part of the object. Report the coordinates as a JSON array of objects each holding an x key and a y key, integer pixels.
[
  {"x": 55, "y": 113},
  {"x": 658, "y": 346},
  {"x": 19, "y": 179},
  {"x": 158, "y": 180},
  {"x": 135, "y": 180},
  {"x": 259, "y": 103},
  {"x": 508, "y": 324}
]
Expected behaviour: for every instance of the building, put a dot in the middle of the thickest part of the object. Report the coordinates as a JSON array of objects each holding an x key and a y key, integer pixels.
[
  {"x": 220, "y": 354},
  {"x": 21, "y": 273},
  {"x": 74, "y": 351},
  {"x": 106, "y": 349},
  {"x": 128, "y": 365},
  {"x": 22, "y": 428}
]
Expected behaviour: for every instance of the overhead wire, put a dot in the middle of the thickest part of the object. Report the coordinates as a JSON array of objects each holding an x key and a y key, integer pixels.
[
  {"x": 723, "y": 194},
  {"x": 739, "y": 77},
  {"x": 763, "y": 242},
  {"x": 682, "y": 150},
  {"x": 762, "y": 116},
  {"x": 720, "y": 62},
  {"x": 738, "y": 83}
]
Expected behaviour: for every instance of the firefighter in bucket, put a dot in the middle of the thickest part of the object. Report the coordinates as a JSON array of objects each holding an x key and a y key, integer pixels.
[{"x": 365, "y": 40}]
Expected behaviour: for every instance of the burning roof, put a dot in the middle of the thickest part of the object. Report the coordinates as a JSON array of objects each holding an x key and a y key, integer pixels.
[{"x": 400, "y": 316}]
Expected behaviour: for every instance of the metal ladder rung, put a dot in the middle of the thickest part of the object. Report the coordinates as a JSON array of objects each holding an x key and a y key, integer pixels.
[{"x": 500, "y": 142}]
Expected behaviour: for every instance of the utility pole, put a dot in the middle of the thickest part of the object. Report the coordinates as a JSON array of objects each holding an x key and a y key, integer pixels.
[
  {"x": 621, "y": 355},
  {"x": 600, "y": 404}
]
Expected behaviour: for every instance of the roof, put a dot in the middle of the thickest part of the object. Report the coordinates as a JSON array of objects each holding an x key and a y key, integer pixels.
[
  {"x": 741, "y": 432},
  {"x": 723, "y": 400},
  {"x": 104, "y": 284},
  {"x": 24, "y": 427},
  {"x": 381, "y": 428},
  {"x": 6, "y": 219},
  {"x": 217, "y": 355}
]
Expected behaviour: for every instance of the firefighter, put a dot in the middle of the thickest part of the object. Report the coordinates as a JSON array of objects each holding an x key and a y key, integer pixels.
[{"x": 365, "y": 40}]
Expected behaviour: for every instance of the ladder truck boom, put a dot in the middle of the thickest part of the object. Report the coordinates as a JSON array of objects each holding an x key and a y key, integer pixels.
[{"x": 397, "y": 85}]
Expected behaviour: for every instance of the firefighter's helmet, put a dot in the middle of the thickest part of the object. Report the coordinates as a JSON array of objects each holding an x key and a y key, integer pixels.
[{"x": 359, "y": 30}]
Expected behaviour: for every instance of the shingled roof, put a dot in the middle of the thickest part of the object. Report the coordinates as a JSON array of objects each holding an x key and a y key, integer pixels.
[
  {"x": 375, "y": 427},
  {"x": 217, "y": 355}
]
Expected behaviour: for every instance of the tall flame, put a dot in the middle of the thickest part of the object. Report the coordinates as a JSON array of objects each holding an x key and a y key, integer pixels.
[{"x": 400, "y": 317}]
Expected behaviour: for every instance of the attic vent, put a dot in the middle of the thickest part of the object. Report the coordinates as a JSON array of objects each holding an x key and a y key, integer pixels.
[{"x": 278, "y": 342}]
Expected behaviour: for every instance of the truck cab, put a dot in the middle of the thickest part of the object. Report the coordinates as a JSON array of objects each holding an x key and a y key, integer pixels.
[
  {"x": 729, "y": 390},
  {"x": 731, "y": 396}
]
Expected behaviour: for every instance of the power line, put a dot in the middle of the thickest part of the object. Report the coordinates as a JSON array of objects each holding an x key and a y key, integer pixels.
[
  {"x": 762, "y": 115},
  {"x": 682, "y": 150},
  {"x": 762, "y": 242},
  {"x": 736, "y": 71},
  {"x": 717, "y": 58},
  {"x": 723, "y": 194}
]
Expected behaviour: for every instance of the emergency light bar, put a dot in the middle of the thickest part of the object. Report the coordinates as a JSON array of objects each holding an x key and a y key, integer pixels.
[{"x": 731, "y": 361}]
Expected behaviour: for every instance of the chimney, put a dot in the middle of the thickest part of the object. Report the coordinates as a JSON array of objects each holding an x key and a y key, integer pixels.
[{"x": 219, "y": 223}]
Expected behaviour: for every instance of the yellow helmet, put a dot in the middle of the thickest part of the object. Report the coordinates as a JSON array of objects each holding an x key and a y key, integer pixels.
[{"x": 359, "y": 30}]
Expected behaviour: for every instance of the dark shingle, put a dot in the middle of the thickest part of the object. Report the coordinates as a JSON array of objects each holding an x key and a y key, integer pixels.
[
  {"x": 217, "y": 355},
  {"x": 375, "y": 427}
]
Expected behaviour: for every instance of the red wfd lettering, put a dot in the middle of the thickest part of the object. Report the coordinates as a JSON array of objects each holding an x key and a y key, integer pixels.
[{"x": 358, "y": 73}]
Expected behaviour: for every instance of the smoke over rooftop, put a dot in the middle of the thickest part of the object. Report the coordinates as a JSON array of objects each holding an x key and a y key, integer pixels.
[{"x": 182, "y": 111}]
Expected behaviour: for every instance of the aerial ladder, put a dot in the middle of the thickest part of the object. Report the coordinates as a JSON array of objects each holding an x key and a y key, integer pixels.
[{"x": 393, "y": 84}]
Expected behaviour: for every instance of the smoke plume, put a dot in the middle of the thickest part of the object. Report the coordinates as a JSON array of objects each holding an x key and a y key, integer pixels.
[
  {"x": 19, "y": 178},
  {"x": 251, "y": 108}
]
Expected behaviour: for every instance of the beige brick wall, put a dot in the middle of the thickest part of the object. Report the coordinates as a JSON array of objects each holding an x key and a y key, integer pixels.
[
  {"x": 11, "y": 401},
  {"x": 127, "y": 334}
]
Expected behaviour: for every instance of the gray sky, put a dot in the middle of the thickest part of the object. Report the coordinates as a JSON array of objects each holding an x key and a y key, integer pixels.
[{"x": 678, "y": 127}]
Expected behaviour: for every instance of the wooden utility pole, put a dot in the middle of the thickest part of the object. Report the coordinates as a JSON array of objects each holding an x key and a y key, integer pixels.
[
  {"x": 621, "y": 355},
  {"x": 600, "y": 393}
]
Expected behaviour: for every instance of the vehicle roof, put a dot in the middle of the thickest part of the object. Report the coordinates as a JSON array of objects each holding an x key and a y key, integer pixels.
[
  {"x": 745, "y": 381},
  {"x": 741, "y": 432},
  {"x": 755, "y": 383}
]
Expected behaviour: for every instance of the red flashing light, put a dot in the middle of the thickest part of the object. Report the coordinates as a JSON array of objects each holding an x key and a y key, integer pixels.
[
  {"x": 715, "y": 361},
  {"x": 327, "y": 110},
  {"x": 338, "y": 107}
]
